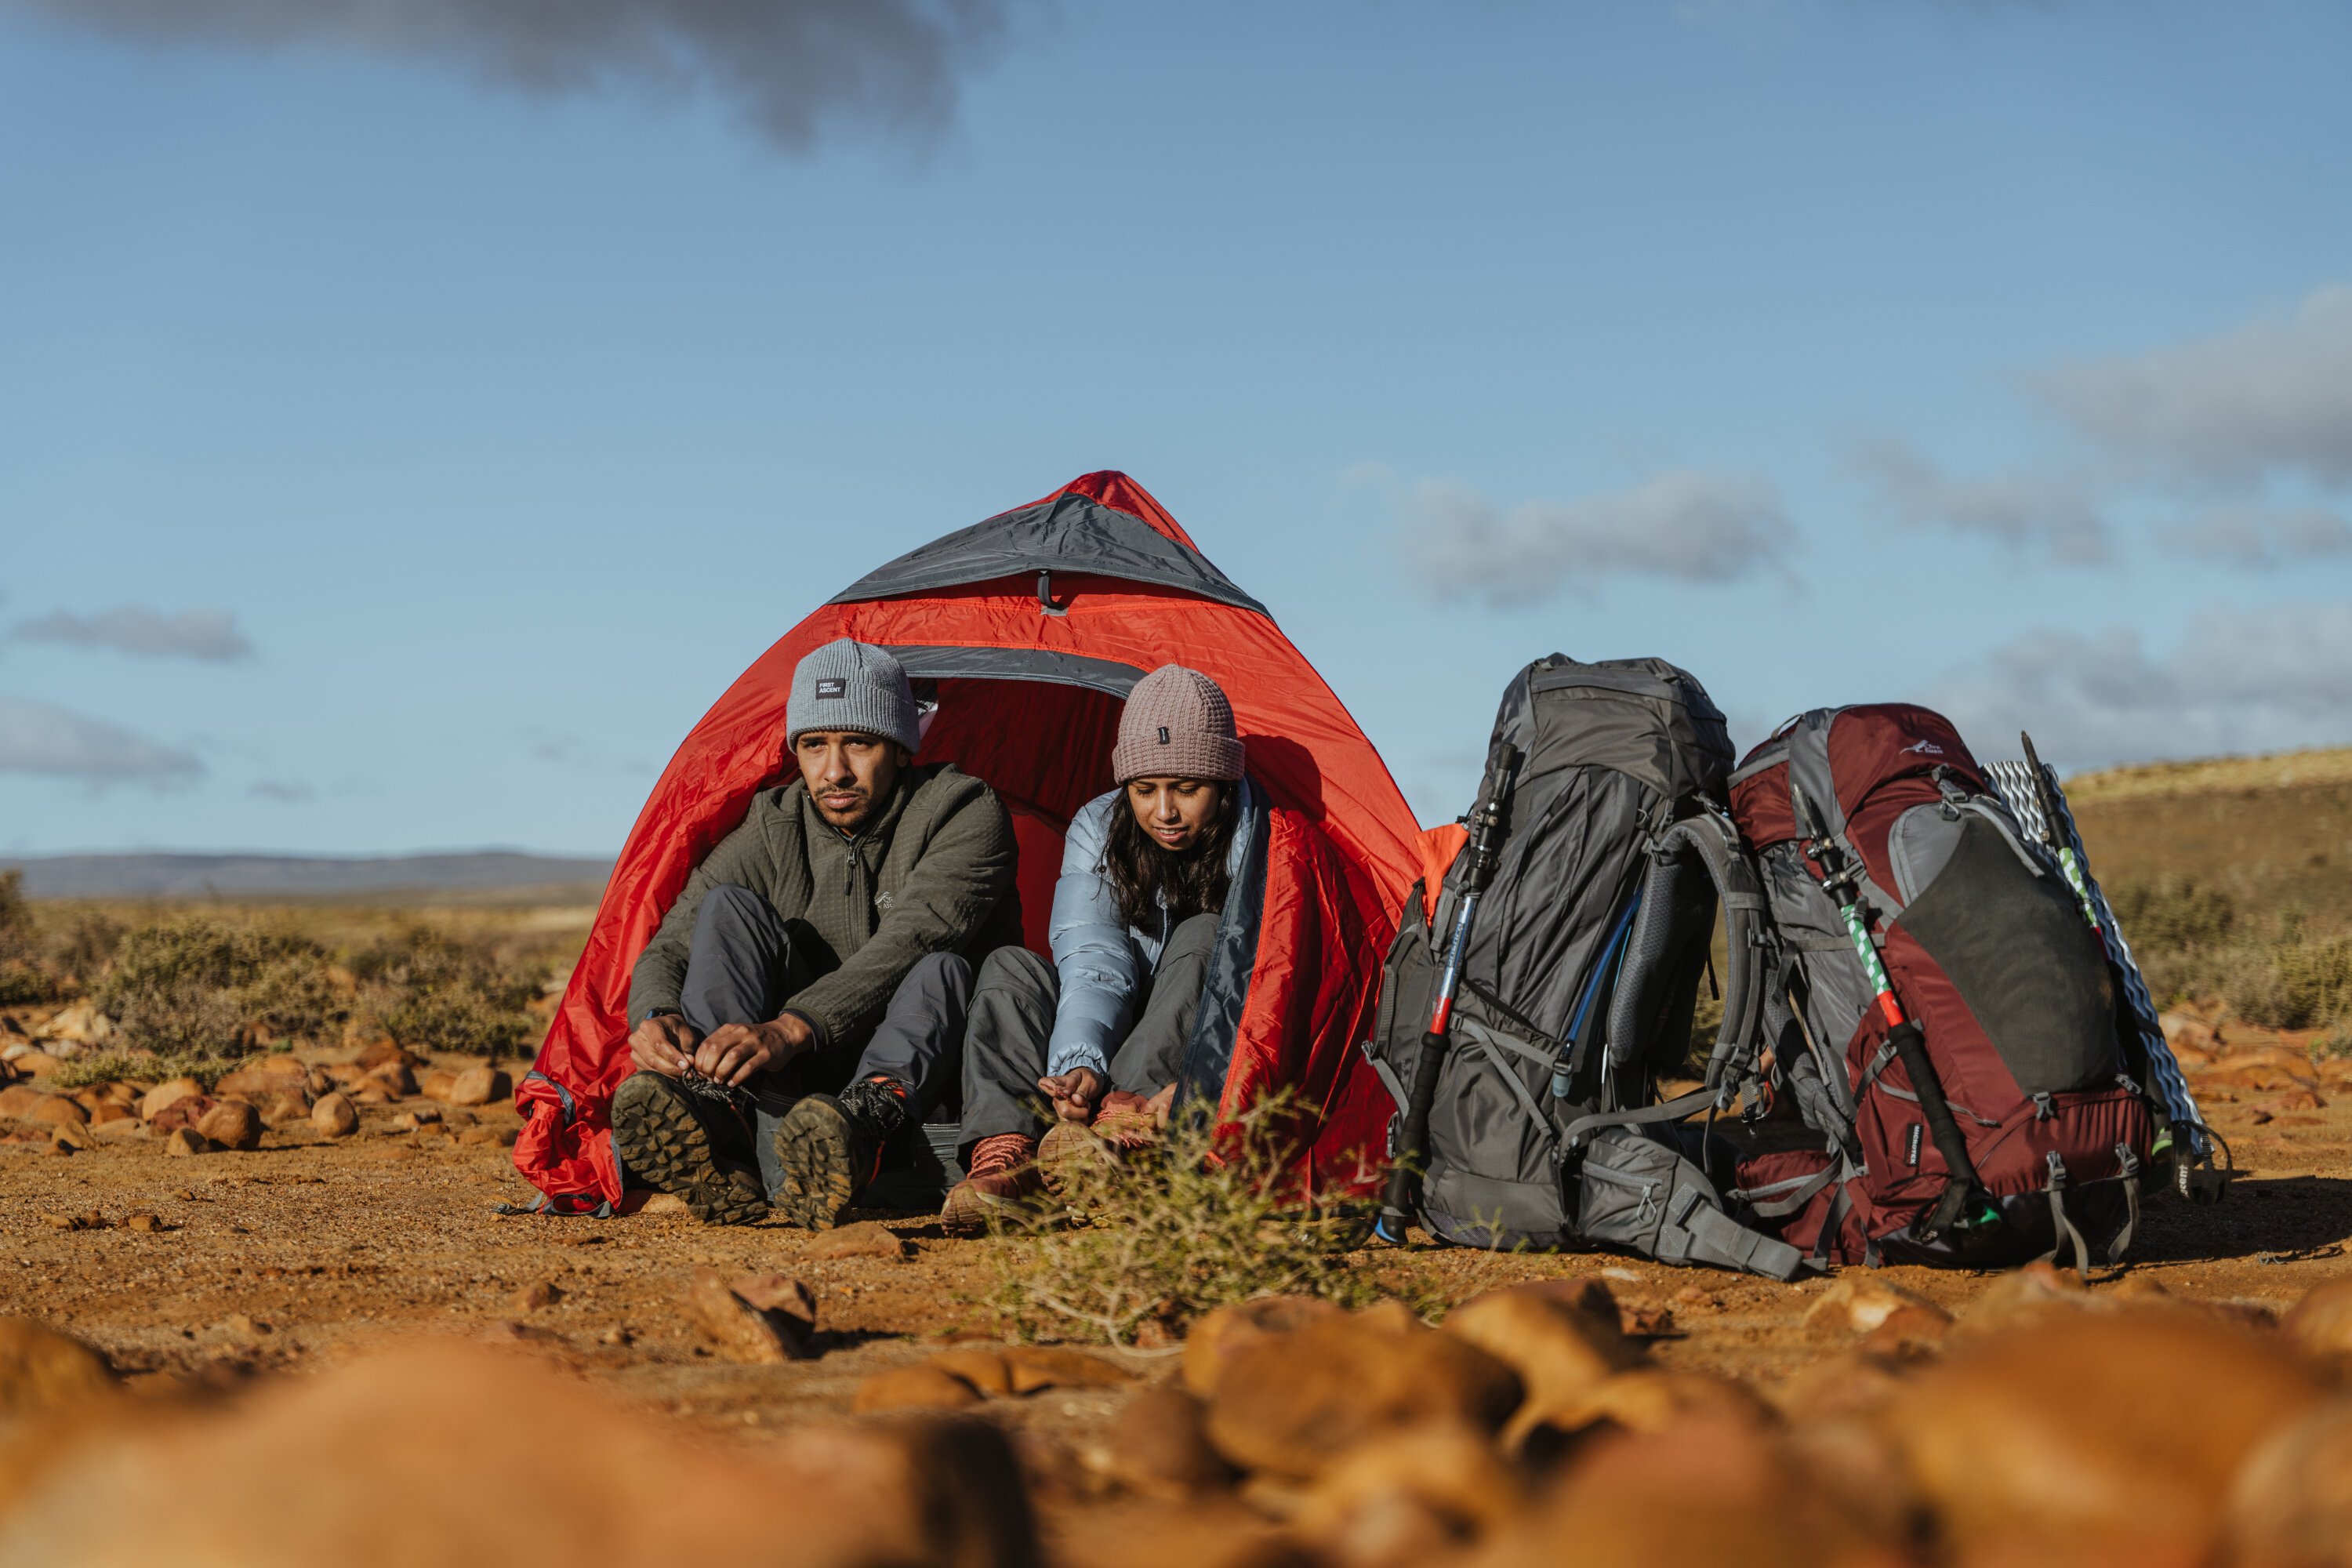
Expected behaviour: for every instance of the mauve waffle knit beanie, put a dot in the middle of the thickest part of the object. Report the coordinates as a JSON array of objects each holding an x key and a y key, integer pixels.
[{"x": 1176, "y": 725}]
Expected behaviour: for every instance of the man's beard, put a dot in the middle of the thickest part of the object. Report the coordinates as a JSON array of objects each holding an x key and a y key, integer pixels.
[{"x": 854, "y": 818}]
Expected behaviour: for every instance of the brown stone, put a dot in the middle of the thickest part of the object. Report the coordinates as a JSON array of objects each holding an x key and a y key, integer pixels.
[
  {"x": 493, "y": 1136},
  {"x": 2322, "y": 1321},
  {"x": 186, "y": 1141},
  {"x": 1222, "y": 1334},
  {"x": 422, "y": 1116},
  {"x": 1036, "y": 1367},
  {"x": 283, "y": 1107},
  {"x": 1858, "y": 1303},
  {"x": 915, "y": 1388},
  {"x": 43, "y": 1372},
  {"x": 17, "y": 1099},
  {"x": 1159, "y": 1444},
  {"x": 1561, "y": 1337},
  {"x": 1291, "y": 1402},
  {"x": 981, "y": 1366},
  {"x": 1199, "y": 1532},
  {"x": 480, "y": 1086},
  {"x": 73, "y": 1135},
  {"x": 1849, "y": 1382},
  {"x": 532, "y": 1296},
  {"x": 58, "y": 1110},
  {"x": 2020, "y": 1433},
  {"x": 108, "y": 1111},
  {"x": 232, "y": 1124},
  {"x": 151, "y": 1104},
  {"x": 867, "y": 1238},
  {"x": 1645, "y": 1399},
  {"x": 394, "y": 1079},
  {"x": 383, "y": 1052},
  {"x": 767, "y": 1325},
  {"x": 1407, "y": 1498},
  {"x": 147, "y": 1223},
  {"x": 335, "y": 1116},
  {"x": 2290, "y": 1504},
  {"x": 185, "y": 1111},
  {"x": 2024, "y": 1296},
  {"x": 37, "y": 1064},
  {"x": 383, "y": 1460},
  {"x": 252, "y": 1083},
  {"x": 436, "y": 1084}
]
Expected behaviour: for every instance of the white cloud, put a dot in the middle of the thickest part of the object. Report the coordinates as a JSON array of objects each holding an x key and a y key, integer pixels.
[
  {"x": 37, "y": 738},
  {"x": 1685, "y": 526},
  {"x": 2031, "y": 513},
  {"x": 2238, "y": 679},
  {"x": 135, "y": 628},
  {"x": 2270, "y": 397},
  {"x": 2261, "y": 536}
]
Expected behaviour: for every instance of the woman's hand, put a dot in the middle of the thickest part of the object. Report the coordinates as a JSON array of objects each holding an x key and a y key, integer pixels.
[
  {"x": 664, "y": 1043},
  {"x": 1075, "y": 1093},
  {"x": 733, "y": 1052}
]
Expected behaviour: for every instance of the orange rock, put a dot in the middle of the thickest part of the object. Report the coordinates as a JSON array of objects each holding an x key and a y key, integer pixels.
[
  {"x": 438, "y": 1084},
  {"x": 1036, "y": 1367},
  {"x": 186, "y": 1141},
  {"x": 1858, "y": 1303},
  {"x": 757, "y": 1318},
  {"x": 106, "y": 1110},
  {"x": 1159, "y": 1444},
  {"x": 18, "y": 1099},
  {"x": 394, "y": 1079},
  {"x": 1851, "y": 1382},
  {"x": 1560, "y": 1337},
  {"x": 980, "y": 1365},
  {"x": 153, "y": 1102},
  {"x": 1222, "y": 1334},
  {"x": 335, "y": 1116},
  {"x": 1289, "y": 1403},
  {"x": 1407, "y": 1498},
  {"x": 2291, "y": 1505},
  {"x": 1647, "y": 1399},
  {"x": 1199, "y": 1532},
  {"x": 480, "y": 1086},
  {"x": 2028, "y": 1431},
  {"x": 2322, "y": 1321},
  {"x": 185, "y": 1111},
  {"x": 867, "y": 1238},
  {"x": 43, "y": 1371},
  {"x": 58, "y": 1110},
  {"x": 232, "y": 1124},
  {"x": 2024, "y": 1295},
  {"x": 915, "y": 1388}
]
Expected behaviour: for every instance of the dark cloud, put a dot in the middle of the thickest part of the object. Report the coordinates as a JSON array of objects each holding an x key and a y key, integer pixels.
[
  {"x": 1685, "y": 526},
  {"x": 2270, "y": 397},
  {"x": 2266, "y": 678},
  {"x": 2261, "y": 536},
  {"x": 37, "y": 738},
  {"x": 2036, "y": 514},
  {"x": 792, "y": 68},
  {"x": 135, "y": 628}
]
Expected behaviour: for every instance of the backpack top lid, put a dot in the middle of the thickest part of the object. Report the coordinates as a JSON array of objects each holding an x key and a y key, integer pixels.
[
  {"x": 1841, "y": 757},
  {"x": 1642, "y": 717}
]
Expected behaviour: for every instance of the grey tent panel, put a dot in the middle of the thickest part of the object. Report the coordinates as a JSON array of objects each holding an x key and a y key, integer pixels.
[
  {"x": 1070, "y": 533},
  {"x": 933, "y": 662}
]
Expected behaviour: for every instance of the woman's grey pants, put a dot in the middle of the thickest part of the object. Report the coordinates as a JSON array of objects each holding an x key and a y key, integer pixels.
[{"x": 1013, "y": 1021}]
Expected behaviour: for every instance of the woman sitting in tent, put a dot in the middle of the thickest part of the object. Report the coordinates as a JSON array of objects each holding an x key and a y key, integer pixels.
[{"x": 1100, "y": 1033}]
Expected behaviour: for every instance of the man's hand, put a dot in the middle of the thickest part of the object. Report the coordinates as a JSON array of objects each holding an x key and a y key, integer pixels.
[
  {"x": 664, "y": 1043},
  {"x": 733, "y": 1052},
  {"x": 1075, "y": 1093}
]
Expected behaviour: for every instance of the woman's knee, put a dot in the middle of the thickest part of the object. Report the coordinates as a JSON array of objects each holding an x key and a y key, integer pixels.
[{"x": 1014, "y": 968}]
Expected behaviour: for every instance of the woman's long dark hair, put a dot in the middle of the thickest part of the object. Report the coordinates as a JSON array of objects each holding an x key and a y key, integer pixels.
[{"x": 1141, "y": 869}]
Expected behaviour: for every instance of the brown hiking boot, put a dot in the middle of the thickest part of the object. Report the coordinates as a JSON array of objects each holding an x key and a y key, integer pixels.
[
  {"x": 829, "y": 1148},
  {"x": 1065, "y": 1152},
  {"x": 673, "y": 1138},
  {"x": 1003, "y": 1180}
]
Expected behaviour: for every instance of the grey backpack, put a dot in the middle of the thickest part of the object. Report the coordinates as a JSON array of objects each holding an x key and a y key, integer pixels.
[{"x": 1581, "y": 977}]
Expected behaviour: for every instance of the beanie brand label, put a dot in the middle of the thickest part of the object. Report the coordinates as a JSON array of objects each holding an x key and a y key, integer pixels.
[
  {"x": 831, "y": 685},
  {"x": 1163, "y": 734},
  {"x": 1911, "y": 1144}
]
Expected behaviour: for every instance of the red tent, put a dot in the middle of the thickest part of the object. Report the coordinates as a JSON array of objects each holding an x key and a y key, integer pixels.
[{"x": 1030, "y": 628}]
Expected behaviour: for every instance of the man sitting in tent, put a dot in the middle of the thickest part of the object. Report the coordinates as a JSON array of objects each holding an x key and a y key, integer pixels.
[
  {"x": 1099, "y": 1034},
  {"x": 804, "y": 997}
]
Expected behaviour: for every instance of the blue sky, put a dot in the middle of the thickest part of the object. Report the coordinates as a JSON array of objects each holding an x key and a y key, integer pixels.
[{"x": 409, "y": 423}]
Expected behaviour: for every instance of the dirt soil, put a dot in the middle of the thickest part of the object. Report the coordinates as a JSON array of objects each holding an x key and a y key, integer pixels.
[{"x": 299, "y": 1252}]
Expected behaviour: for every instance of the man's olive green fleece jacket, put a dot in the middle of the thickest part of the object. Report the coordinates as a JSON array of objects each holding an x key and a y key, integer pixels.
[{"x": 931, "y": 872}]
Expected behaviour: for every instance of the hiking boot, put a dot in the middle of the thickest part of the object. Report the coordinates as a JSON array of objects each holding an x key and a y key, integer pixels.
[
  {"x": 1065, "y": 1152},
  {"x": 829, "y": 1148},
  {"x": 1003, "y": 1180},
  {"x": 671, "y": 1137}
]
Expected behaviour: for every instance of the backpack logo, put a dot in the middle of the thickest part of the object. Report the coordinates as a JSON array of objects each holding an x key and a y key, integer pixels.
[
  {"x": 1924, "y": 749},
  {"x": 832, "y": 685},
  {"x": 1911, "y": 1145},
  {"x": 1163, "y": 734}
]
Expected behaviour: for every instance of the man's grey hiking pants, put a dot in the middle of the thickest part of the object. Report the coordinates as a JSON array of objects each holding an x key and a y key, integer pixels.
[
  {"x": 744, "y": 966},
  {"x": 1012, "y": 1021}
]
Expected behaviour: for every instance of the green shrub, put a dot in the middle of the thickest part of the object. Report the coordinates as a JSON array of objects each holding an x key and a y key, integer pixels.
[
  {"x": 21, "y": 978},
  {"x": 1206, "y": 1219},
  {"x": 2193, "y": 941},
  {"x": 199, "y": 988},
  {"x": 433, "y": 993},
  {"x": 81, "y": 944}
]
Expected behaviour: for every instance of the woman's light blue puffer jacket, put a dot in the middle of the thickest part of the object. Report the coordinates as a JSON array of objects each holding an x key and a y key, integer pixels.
[{"x": 1099, "y": 957}]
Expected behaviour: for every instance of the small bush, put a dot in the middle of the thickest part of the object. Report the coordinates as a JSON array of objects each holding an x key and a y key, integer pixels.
[
  {"x": 81, "y": 945},
  {"x": 108, "y": 1066},
  {"x": 21, "y": 978},
  {"x": 197, "y": 988},
  {"x": 2197, "y": 941},
  {"x": 1206, "y": 1219},
  {"x": 431, "y": 992}
]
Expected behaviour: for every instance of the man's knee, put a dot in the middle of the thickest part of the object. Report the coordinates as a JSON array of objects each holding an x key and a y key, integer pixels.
[
  {"x": 939, "y": 974},
  {"x": 1018, "y": 971},
  {"x": 728, "y": 906}
]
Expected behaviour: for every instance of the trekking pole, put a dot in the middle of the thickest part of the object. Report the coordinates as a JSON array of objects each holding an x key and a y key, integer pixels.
[
  {"x": 1842, "y": 878},
  {"x": 2068, "y": 862},
  {"x": 1487, "y": 825}
]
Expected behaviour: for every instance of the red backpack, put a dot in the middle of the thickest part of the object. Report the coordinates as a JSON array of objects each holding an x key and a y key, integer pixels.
[{"x": 1947, "y": 1046}]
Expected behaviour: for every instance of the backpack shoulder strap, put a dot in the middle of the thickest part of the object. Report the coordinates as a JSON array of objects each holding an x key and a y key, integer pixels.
[{"x": 1709, "y": 837}]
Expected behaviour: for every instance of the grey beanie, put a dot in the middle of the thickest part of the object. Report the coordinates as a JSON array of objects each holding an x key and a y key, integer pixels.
[{"x": 852, "y": 685}]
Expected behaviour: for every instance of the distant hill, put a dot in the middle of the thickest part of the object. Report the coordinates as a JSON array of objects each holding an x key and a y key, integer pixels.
[{"x": 484, "y": 873}]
